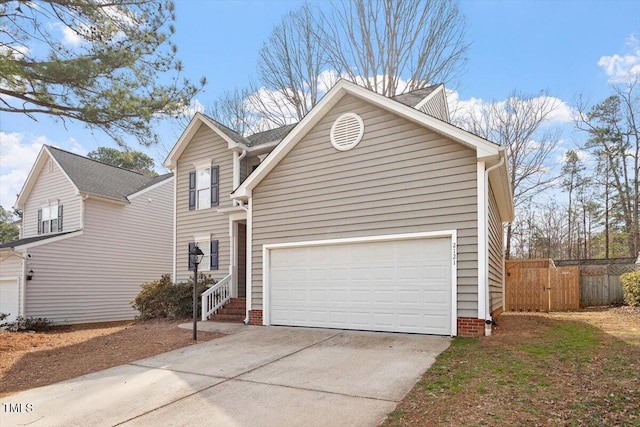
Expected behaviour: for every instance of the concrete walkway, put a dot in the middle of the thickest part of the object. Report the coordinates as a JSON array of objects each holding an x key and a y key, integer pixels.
[{"x": 257, "y": 376}]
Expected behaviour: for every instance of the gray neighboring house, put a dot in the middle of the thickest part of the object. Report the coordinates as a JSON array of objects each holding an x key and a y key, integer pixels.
[
  {"x": 372, "y": 213},
  {"x": 91, "y": 234}
]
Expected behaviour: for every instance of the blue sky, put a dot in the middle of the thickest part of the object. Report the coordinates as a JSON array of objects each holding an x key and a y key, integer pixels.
[{"x": 564, "y": 47}]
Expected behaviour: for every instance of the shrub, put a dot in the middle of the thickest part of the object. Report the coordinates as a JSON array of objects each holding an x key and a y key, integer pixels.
[
  {"x": 631, "y": 288},
  {"x": 163, "y": 299},
  {"x": 38, "y": 324}
]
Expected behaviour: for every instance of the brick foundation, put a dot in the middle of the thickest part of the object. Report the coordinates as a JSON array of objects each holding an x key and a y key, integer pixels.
[
  {"x": 470, "y": 327},
  {"x": 255, "y": 317}
]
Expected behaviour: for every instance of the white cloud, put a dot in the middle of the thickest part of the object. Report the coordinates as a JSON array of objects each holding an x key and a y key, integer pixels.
[
  {"x": 560, "y": 112},
  {"x": 17, "y": 159},
  {"x": 625, "y": 67},
  {"x": 190, "y": 110},
  {"x": 77, "y": 148},
  {"x": 18, "y": 153},
  {"x": 70, "y": 37}
]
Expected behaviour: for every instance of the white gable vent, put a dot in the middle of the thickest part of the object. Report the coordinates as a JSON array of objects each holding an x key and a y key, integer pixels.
[{"x": 347, "y": 131}]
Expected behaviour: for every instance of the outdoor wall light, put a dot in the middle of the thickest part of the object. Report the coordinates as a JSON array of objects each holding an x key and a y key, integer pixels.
[
  {"x": 197, "y": 258},
  {"x": 30, "y": 274}
]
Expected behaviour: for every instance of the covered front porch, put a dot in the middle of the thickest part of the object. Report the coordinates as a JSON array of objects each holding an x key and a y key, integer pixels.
[{"x": 226, "y": 300}]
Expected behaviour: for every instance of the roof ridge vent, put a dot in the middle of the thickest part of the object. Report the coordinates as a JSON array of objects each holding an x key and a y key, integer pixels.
[{"x": 346, "y": 131}]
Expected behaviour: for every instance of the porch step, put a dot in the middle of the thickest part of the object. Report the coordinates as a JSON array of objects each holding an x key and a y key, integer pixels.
[{"x": 233, "y": 311}]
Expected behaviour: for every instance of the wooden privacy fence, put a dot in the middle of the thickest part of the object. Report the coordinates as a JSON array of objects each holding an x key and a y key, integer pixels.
[
  {"x": 538, "y": 285},
  {"x": 601, "y": 285}
]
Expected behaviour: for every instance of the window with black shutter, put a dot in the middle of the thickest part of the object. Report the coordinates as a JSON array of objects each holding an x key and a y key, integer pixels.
[
  {"x": 214, "y": 185},
  {"x": 213, "y": 256},
  {"x": 192, "y": 190},
  {"x": 191, "y": 262}
]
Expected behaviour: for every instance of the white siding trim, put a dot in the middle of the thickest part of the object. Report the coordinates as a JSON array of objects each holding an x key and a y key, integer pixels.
[
  {"x": 483, "y": 260},
  {"x": 266, "y": 261}
]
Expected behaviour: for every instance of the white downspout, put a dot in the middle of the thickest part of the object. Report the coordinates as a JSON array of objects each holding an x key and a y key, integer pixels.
[
  {"x": 247, "y": 261},
  {"x": 488, "y": 318},
  {"x": 236, "y": 170}
]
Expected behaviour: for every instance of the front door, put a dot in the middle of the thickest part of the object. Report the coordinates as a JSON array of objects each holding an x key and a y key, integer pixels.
[{"x": 242, "y": 260}]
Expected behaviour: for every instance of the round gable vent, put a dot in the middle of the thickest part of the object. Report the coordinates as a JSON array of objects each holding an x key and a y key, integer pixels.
[{"x": 347, "y": 131}]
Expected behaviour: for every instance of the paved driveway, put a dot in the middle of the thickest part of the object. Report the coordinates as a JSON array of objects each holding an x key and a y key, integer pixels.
[{"x": 257, "y": 376}]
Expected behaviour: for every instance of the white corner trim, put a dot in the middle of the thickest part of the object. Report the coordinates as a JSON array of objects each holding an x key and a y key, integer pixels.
[
  {"x": 174, "y": 270},
  {"x": 249, "y": 262},
  {"x": 266, "y": 262},
  {"x": 482, "y": 240}
]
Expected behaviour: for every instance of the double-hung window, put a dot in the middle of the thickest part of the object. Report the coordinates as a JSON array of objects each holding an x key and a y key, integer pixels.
[
  {"x": 50, "y": 218},
  {"x": 204, "y": 188},
  {"x": 209, "y": 259}
]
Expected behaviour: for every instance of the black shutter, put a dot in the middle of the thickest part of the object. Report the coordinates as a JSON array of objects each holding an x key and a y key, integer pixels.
[
  {"x": 214, "y": 185},
  {"x": 39, "y": 221},
  {"x": 59, "y": 217},
  {"x": 192, "y": 247},
  {"x": 213, "y": 263},
  {"x": 192, "y": 191}
]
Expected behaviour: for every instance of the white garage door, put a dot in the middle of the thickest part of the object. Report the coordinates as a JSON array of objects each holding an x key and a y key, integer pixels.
[
  {"x": 9, "y": 298},
  {"x": 395, "y": 286}
]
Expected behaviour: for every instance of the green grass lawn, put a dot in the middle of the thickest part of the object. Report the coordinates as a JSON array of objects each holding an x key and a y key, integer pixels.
[{"x": 579, "y": 369}]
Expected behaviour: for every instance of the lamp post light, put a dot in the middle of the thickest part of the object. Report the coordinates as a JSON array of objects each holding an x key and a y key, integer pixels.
[{"x": 197, "y": 255}]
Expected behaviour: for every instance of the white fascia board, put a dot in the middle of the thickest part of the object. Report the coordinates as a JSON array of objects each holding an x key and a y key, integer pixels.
[
  {"x": 189, "y": 132},
  {"x": 287, "y": 144},
  {"x": 104, "y": 199},
  {"x": 151, "y": 187},
  {"x": 34, "y": 173},
  {"x": 47, "y": 241},
  {"x": 501, "y": 186},
  {"x": 484, "y": 148}
]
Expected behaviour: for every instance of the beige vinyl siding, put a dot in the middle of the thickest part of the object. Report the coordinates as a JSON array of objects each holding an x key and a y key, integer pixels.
[
  {"x": 205, "y": 146},
  {"x": 52, "y": 185},
  {"x": 436, "y": 107},
  {"x": 11, "y": 268},
  {"x": 399, "y": 179},
  {"x": 495, "y": 254},
  {"x": 94, "y": 277}
]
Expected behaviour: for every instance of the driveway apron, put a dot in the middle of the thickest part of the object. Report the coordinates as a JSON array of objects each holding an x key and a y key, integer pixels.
[{"x": 258, "y": 376}]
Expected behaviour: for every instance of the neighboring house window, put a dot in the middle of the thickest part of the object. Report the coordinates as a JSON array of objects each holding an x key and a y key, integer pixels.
[
  {"x": 50, "y": 219},
  {"x": 210, "y": 258},
  {"x": 204, "y": 188}
]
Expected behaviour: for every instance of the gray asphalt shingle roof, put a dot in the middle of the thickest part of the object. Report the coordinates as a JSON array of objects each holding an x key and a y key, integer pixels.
[
  {"x": 94, "y": 177},
  {"x": 413, "y": 98},
  {"x": 270, "y": 135}
]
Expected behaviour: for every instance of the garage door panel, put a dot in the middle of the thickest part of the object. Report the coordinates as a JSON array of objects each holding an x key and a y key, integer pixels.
[
  {"x": 9, "y": 298},
  {"x": 402, "y": 286}
]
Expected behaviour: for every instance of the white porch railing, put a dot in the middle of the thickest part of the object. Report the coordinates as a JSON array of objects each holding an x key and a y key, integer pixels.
[{"x": 216, "y": 296}]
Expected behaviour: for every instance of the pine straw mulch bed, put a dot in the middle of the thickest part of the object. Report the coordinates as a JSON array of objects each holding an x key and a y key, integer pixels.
[
  {"x": 537, "y": 369},
  {"x": 29, "y": 360}
]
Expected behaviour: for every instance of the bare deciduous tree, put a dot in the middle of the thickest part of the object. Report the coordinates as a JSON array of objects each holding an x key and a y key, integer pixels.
[
  {"x": 289, "y": 66},
  {"x": 518, "y": 125},
  {"x": 378, "y": 43}
]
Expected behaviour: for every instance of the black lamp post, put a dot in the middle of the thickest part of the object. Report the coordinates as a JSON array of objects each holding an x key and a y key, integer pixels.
[{"x": 197, "y": 255}]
